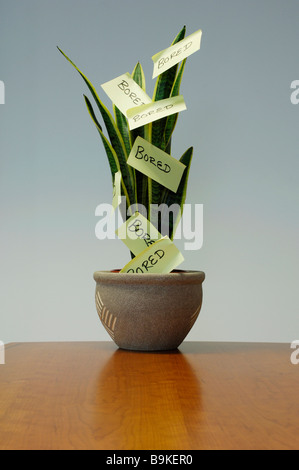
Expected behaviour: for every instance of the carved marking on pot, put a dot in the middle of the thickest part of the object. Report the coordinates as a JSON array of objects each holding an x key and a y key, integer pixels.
[
  {"x": 107, "y": 318},
  {"x": 194, "y": 316}
]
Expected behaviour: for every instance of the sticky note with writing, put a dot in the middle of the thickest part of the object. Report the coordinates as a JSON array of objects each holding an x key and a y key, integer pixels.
[
  {"x": 160, "y": 258},
  {"x": 138, "y": 233},
  {"x": 116, "y": 190},
  {"x": 125, "y": 93},
  {"x": 156, "y": 110},
  {"x": 156, "y": 164},
  {"x": 174, "y": 54}
]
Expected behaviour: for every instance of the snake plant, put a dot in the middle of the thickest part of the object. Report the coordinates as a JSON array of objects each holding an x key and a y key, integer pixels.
[{"x": 137, "y": 188}]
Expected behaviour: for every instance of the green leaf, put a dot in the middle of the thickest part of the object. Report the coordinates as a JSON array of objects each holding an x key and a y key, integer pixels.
[
  {"x": 179, "y": 197},
  {"x": 139, "y": 77},
  {"x": 155, "y": 190},
  {"x": 141, "y": 180},
  {"x": 164, "y": 86},
  {"x": 112, "y": 157},
  {"x": 173, "y": 118},
  {"x": 122, "y": 125},
  {"x": 163, "y": 89},
  {"x": 116, "y": 140},
  {"x": 164, "y": 83},
  {"x": 114, "y": 162}
]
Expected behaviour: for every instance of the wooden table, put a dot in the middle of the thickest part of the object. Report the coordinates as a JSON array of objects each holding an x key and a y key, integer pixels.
[{"x": 91, "y": 395}]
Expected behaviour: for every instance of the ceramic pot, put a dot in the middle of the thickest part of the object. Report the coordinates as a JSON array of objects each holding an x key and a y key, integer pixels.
[{"x": 148, "y": 312}]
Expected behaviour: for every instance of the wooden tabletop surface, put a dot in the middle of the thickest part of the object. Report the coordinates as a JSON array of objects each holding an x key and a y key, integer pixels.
[{"x": 91, "y": 395}]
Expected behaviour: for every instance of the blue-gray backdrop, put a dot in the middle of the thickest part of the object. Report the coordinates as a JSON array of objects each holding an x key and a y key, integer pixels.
[{"x": 53, "y": 170}]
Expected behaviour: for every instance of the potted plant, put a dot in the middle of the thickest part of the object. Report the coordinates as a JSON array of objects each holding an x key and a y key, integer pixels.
[{"x": 149, "y": 304}]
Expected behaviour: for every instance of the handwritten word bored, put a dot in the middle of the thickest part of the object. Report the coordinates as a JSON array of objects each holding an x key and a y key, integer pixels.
[
  {"x": 176, "y": 53},
  {"x": 125, "y": 93},
  {"x": 137, "y": 117},
  {"x": 137, "y": 232},
  {"x": 160, "y": 258},
  {"x": 140, "y": 154},
  {"x": 170, "y": 57},
  {"x": 156, "y": 164},
  {"x": 136, "y": 228},
  {"x": 148, "y": 263},
  {"x": 124, "y": 86},
  {"x": 150, "y": 112}
]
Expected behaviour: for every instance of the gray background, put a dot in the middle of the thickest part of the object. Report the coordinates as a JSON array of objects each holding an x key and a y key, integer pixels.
[{"x": 54, "y": 171}]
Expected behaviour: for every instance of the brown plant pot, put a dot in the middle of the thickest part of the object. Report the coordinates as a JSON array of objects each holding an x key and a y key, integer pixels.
[{"x": 148, "y": 312}]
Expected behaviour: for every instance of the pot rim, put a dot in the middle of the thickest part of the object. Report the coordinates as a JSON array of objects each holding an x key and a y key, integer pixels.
[{"x": 177, "y": 277}]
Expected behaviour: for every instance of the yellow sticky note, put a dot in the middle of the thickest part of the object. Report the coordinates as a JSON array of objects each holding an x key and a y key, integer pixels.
[
  {"x": 160, "y": 258},
  {"x": 125, "y": 93},
  {"x": 116, "y": 200},
  {"x": 171, "y": 56},
  {"x": 138, "y": 233},
  {"x": 156, "y": 110},
  {"x": 156, "y": 164}
]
